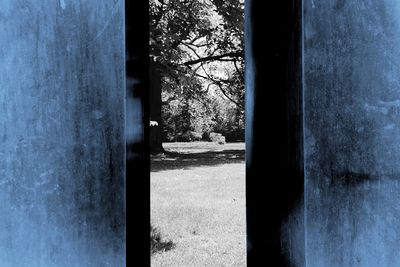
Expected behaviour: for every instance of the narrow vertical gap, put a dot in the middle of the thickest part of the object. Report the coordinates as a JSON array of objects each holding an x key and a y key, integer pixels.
[
  {"x": 275, "y": 170},
  {"x": 137, "y": 170},
  {"x": 197, "y": 132}
]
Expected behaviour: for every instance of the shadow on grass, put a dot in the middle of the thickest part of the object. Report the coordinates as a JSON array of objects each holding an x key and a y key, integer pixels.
[
  {"x": 174, "y": 160},
  {"x": 157, "y": 244}
]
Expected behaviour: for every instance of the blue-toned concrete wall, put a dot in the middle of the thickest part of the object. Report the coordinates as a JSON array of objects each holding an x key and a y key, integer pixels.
[
  {"x": 351, "y": 64},
  {"x": 62, "y": 84}
]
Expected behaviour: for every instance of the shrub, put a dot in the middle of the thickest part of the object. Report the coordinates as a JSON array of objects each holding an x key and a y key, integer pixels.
[
  {"x": 196, "y": 136},
  {"x": 214, "y": 137},
  {"x": 236, "y": 135},
  {"x": 206, "y": 137},
  {"x": 189, "y": 136},
  {"x": 221, "y": 140},
  {"x": 185, "y": 137}
]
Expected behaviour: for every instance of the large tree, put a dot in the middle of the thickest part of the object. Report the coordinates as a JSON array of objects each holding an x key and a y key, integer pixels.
[{"x": 196, "y": 46}]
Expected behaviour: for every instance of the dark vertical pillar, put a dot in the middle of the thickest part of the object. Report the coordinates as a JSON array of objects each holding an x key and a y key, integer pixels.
[
  {"x": 352, "y": 130},
  {"x": 62, "y": 139},
  {"x": 274, "y": 177},
  {"x": 137, "y": 124}
]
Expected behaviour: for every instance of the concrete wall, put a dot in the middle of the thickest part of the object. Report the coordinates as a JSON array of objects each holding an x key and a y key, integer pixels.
[
  {"x": 62, "y": 133},
  {"x": 351, "y": 85}
]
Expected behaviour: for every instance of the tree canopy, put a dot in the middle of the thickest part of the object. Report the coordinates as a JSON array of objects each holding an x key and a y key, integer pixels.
[{"x": 197, "y": 46}]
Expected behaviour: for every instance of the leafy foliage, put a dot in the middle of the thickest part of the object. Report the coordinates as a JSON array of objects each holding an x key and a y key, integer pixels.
[{"x": 197, "y": 45}]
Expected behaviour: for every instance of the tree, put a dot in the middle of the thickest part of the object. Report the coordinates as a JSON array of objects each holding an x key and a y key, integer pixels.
[{"x": 196, "y": 47}]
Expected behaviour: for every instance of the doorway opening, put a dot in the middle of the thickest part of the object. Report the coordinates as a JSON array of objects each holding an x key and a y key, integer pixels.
[{"x": 197, "y": 131}]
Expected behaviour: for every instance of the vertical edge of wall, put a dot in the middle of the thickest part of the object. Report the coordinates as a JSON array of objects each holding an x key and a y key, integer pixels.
[
  {"x": 274, "y": 134},
  {"x": 137, "y": 123},
  {"x": 249, "y": 119}
]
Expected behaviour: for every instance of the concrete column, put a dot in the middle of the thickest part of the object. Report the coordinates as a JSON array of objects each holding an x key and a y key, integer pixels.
[
  {"x": 351, "y": 64},
  {"x": 62, "y": 90}
]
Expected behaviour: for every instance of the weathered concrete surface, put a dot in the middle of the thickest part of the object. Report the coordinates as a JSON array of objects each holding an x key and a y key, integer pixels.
[
  {"x": 62, "y": 133},
  {"x": 352, "y": 132}
]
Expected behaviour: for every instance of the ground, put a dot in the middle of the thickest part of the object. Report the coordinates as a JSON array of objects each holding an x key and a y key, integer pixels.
[{"x": 198, "y": 202}]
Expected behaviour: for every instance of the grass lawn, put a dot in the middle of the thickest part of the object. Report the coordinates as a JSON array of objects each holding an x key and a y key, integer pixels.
[{"x": 198, "y": 202}]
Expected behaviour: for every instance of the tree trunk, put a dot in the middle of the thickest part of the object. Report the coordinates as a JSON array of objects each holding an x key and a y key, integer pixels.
[{"x": 156, "y": 136}]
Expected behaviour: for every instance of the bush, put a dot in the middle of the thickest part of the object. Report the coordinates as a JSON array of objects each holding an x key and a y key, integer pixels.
[
  {"x": 206, "y": 137},
  {"x": 214, "y": 137},
  {"x": 236, "y": 135},
  {"x": 217, "y": 138},
  {"x": 189, "y": 137},
  {"x": 221, "y": 140},
  {"x": 196, "y": 136}
]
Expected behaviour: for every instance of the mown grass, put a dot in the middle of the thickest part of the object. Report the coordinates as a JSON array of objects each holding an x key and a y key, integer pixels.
[{"x": 198, "y": 204}]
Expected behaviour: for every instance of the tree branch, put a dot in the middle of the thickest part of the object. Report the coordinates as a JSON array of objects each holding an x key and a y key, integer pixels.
[
  {"x": 211, "y": 58},
  {"x": 218, "y": 83},
  {"x": 191, "y": 43},
  {"x": 237, "y": 69},
  {"x": 231, "y": 99},
  {"x": 192, "y": 49}
]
